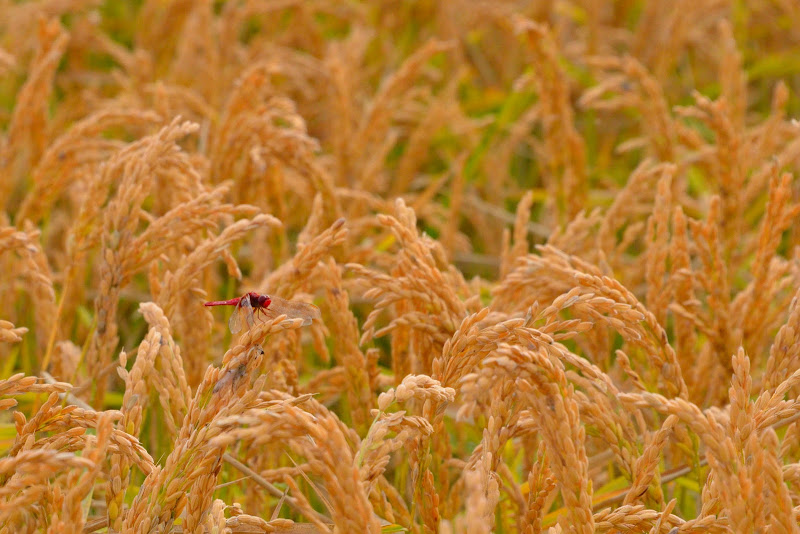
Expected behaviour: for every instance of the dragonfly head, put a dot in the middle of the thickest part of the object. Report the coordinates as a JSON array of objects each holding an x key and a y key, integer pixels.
[{"x": 263, "y": 301}]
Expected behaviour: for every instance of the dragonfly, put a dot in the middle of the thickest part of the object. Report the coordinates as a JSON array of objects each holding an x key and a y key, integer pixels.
[{"x": 252, "y": 304}]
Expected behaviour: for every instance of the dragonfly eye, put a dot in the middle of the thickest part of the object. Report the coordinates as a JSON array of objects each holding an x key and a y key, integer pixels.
[{"x": 262, "y": 300}]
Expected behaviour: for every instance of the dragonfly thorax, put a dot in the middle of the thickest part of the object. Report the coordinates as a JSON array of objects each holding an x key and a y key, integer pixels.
[{"x": 259, "y": 301}]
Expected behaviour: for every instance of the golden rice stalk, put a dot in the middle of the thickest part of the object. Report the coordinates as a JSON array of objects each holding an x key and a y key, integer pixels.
[
  {"x": 779, "y": 508},
  {"x": 520, "y": 238},
  {"x": 196, "y": 62},
  {"x": 682, "y": 291},
  {"x": 776, "y": 144},
  {"x": 442, "y": 110},
  {"x": 538, "y": 371},
  {"x": 737, "y": 493},
  {"x": 627, "y": 204},
  {"x": 343, "y": 327},
  {"x": 569, "y": 462},
  {"x": 770, "y": 408},
  {"x": 168, "y": 377},
  {"x": 727, "y": 166},
  {"x": 785, "y": 350},
  {"x": 71, "y": 517},
  {"x": 423, "y": 280},
  {"x": 36, "y": 462},
  {"x": 86, "y": 230},
  {"x": 293, "y": 275},
  {"x": 741, "y": 497},
  {"x": 657, "y": 298},
  {"x": 541, "y": 484},
  {"x": 717, "y": 321},
  {"x": 7, "y": 61},
  {"x": 392, "y": 505},
  {"x": 483, "y": 494},
  {"x": 732, "y": 76},
  {"x": 26, "y": 430},
  {"x": 35, "y": 270},
  {"x": 645, "y": 332},
  {"x": 268, "y": 134},
  {"x": 19, "y": 383},
  {"x": 133, "y": 404},
  {"x": 614, "y": 426},
  {"x": 25, "y": 476},
  {"x": 305, "y": 508},
  {"x": 536, "y": 279},
  {"x": 178, "y": 294},
  {"x": 423, "y": 388},
  {"x": 427, "y": 498},
  {"x": 648, "y": 99},
  {"x": 376, "y": 121},
  {"x": 190, "y": 471},
  {"x": 742, "y": 409},
  {"x": 638, "y": 518},
  {"x": 11, "y": 334},
  {"x": 760, "y": 293},
  {"x": 158, "y": 366},
  {"x": 341, "y": 61},
  {"x": 126, "y": 252},
  {"x": 320, "y": 440},
  {"x": 138, "y": 164},
  {"x": 565, "y": 168},
  {"x": 376, "y": 448},
  {"x": 26, "y": 136},
  {"x": 68, "y": 157},
  {"x": 71, "y": 421},
  {"x": 251, "y": 523},
  {"x": 645, "y": 469},
  {"x": 472, "y": 342},
  {"x": 215, "y": 520},
  {"x": 487, "y": 458},
  {"x": 541, "y": 380}
]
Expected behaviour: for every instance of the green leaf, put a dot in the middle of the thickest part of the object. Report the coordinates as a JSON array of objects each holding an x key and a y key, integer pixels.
[
  {"x": 86, "y": 503},
  {"x": 113, "y": 400},
  {"x": 7, "y": 434},
  {"x": 779, "y": 65},
  {"x": 689, "y": 484},
  {"x": 612, "y": 485},
  {"x": 10, "y": 362},
  {"x": 84, "y": 316}
]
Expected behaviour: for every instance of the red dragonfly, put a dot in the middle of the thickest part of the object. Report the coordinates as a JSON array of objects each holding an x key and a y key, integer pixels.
[{"x": 251, "y": 303}]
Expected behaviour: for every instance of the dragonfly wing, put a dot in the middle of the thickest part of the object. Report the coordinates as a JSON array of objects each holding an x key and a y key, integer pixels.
[
  {"x": 247, "y": 311},
  {"x": 235, "y": 322},
  {"x": 243, "y": 308},
  {"x": 293, "y": 309}
]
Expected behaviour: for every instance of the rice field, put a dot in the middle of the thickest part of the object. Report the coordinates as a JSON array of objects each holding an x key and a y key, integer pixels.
[{"x": 526, "y": 266}]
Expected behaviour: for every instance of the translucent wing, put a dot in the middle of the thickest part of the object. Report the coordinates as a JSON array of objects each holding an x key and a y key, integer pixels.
[
  {"x": 243, "y": 308},
  {"x": 230, "y": 377},
  {"x": 293, "y": 309}
]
